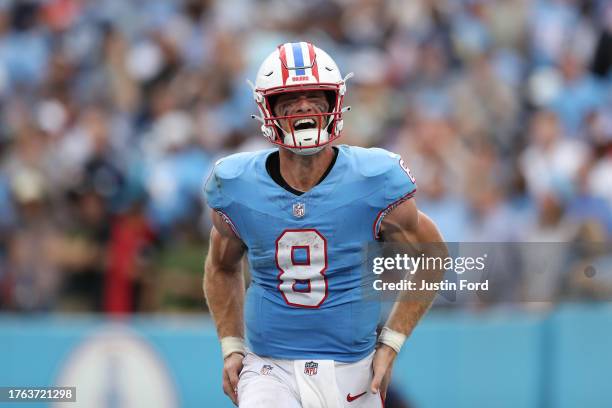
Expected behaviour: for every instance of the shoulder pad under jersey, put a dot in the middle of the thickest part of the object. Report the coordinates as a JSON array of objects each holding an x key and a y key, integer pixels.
[
  {"x": 374, "y": 161},
  {"x": 233, "y": 166},
  {"x": 223, "y": 173}
]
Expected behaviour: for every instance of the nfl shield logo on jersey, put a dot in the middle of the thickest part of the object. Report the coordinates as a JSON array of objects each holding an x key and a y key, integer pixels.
[
  {"x": 265, "y": 369},
  {"x": 310, "y": 368},
  {"x": 299, "y": 209}
]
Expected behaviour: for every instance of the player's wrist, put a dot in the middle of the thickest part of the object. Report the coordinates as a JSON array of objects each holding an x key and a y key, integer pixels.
[
  {"x": 391, "y": 338},
  {"x": 231, "y": 345}
]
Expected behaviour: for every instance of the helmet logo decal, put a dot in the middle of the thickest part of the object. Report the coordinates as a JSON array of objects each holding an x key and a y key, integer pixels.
[{"x": 298, "y": 59}]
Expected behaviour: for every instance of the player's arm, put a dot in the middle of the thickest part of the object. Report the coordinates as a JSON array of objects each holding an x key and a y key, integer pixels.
[
  {"x": 223, "y": 279},
  {"x": 406, "y": 224},
  {"x": 224, "y": 291}
]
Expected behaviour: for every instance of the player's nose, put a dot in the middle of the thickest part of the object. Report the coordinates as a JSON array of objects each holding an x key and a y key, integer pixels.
[{"x": 304, "y": 105}]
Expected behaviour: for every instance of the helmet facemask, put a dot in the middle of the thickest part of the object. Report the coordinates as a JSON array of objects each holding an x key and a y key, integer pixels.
[{"x": 304, "y": 132}]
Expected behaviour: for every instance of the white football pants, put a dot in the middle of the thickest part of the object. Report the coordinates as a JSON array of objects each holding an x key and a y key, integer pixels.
[{"x": 273, "y": 383}]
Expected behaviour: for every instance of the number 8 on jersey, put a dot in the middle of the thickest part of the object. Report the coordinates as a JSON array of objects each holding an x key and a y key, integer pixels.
[{"x": 301, "y": 258}]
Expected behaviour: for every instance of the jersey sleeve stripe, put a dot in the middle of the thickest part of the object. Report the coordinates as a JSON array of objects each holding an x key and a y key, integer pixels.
[
  {"x": 229, "y": 222},
  {"x": 381, "y": 215}
]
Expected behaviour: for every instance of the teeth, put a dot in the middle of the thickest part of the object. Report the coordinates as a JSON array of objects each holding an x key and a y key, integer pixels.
[{"x": 304, "y": 121}]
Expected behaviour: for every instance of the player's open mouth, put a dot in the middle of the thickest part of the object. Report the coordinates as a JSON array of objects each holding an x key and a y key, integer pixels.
[{"x": 305, "y": 123}]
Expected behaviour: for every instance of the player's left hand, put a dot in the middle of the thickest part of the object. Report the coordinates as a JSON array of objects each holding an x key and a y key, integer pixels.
[{"x": 382, "y": 366}]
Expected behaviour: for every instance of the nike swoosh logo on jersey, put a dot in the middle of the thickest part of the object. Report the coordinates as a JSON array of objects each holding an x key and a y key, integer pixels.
[{"x": 351, "y": 399}]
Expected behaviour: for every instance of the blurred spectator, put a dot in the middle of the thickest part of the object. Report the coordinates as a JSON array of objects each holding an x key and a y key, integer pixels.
[
  {"x": 486, "y": 107},
  {"x": 131, "y": 238},
  {"x": 551, "y": 162},
  {"x": 35, "y": 250},
  {"x": 579, "y": 95},
  {"x": 175, "y": 174},
  {"x": 88, "y": 231},
  {"x": 600, "y": 134}
]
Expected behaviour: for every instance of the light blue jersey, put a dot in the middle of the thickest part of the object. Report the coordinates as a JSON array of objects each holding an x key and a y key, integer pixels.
[{"x": 306, "y": 253}]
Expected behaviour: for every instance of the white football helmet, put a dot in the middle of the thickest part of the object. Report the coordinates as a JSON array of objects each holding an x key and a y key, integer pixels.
[{"x": 300, "y": 67}]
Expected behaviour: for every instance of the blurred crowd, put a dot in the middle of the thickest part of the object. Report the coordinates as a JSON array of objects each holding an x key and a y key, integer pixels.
[{"x": 112, "y": 112}]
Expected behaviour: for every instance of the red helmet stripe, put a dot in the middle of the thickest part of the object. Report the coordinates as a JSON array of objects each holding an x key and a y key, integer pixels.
[
  {"x": 283, "y": 58},
  {"x": 313, "y": 61}
]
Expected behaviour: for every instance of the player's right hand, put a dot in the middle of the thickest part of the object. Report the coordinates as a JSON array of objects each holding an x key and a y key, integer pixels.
[{"x": 231, "y": 370}]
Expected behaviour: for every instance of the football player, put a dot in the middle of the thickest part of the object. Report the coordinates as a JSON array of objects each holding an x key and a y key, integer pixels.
[{"x": 303, "y": 212}]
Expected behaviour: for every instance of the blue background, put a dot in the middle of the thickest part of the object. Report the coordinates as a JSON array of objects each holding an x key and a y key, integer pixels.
[{"x": 498, "y": 359}]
